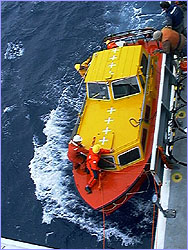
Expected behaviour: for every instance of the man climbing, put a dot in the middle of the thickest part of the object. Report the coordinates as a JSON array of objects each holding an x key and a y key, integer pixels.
[
  {"x": 172, "y": 42},
  {"x": 174, "y": 16},
  {"x": 77, "y": 153},
  {"x": 82, "y": 68},
  {"x": 93, "y": 158}
]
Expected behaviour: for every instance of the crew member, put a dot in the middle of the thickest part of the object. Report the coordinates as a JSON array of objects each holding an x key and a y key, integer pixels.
[
  {"x": 77, "y": 153},
  {"x": 93, "y": 158},
  {"x": 174, "y": 16},
  {"x": 110, "y": 45},
  {"x": 82, "y": 68},
  {"x": 172, "y": 42}
]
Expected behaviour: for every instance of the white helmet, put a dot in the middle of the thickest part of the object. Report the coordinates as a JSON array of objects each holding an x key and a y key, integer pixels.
[
  {"x": 157, "y": 35},
  {"x": 77, "y": 138}
]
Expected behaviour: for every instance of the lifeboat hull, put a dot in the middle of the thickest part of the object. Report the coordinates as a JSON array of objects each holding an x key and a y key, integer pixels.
[{"x": 114, "y": 188}]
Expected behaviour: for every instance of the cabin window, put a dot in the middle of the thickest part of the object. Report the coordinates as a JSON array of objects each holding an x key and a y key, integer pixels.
[
  {"x": 142, "y": 81},
  {"x": 125, "y": 87},
  {"x": 97, "y": 90},
  {"x": 129, "y": 156},
  {"x": 144, "y": 63},
  {"x": 144, "y": 136},
  {"x": 106, "y": 162},
  {"x": 147, "y": 114}
]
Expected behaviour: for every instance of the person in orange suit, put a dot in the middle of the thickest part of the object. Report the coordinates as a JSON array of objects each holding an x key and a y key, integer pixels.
[
  {"x": 93, "y": 158},
  {"x": 77, "y": 153}
]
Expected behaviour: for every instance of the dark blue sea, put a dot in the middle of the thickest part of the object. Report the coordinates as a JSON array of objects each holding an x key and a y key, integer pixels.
[{"x": 40, "y": 43}]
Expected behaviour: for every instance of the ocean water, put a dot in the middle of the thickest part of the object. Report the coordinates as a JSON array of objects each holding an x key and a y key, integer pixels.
[{"x": 41, "y": 42}]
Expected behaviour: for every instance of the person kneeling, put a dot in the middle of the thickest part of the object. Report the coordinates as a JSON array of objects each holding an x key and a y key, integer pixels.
[{"x": 77, "y": 153}]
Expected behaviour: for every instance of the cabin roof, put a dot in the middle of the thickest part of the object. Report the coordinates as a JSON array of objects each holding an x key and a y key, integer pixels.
[
  {"x": 112, "y": 64},
  {"x": 103, "y": 118}
]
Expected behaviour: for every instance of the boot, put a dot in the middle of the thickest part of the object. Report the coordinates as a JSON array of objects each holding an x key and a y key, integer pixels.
[{"x": 88, "y": 189}]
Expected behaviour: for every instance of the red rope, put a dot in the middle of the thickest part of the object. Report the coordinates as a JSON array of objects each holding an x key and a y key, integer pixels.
[
  {"x": 153, "y": 224},
  {"x": 103, "y": 228},
  {"x": 163, "y": 157},
  {"x": 103, "y": 213}
]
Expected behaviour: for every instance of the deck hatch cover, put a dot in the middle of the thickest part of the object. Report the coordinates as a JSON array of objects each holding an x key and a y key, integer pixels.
[{"x": 129, "y": 156}]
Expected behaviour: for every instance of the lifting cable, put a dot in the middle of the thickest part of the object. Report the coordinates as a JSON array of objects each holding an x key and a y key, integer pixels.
[
  {"x": 153, "y": 228},
  {"x": 103, "y": 213}
]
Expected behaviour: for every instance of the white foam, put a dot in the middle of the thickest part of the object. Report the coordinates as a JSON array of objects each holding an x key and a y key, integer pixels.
[
  {"x": 135, "y": 19},
  {"x": 9, "y": 109},
  {"x": 14, "y": 50}
]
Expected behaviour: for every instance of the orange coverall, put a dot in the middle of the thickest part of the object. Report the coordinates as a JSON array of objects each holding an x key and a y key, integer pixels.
[
  {"x": 92, "y": 165},
  {"x": 171, "y": 40},
  {"x": 74, "y": 154}
]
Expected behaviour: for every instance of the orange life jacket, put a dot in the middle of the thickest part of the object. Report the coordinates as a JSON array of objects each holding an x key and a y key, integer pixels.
[
  {"x": 74, "y": 150},
  {"x": 172, "y": 36},
  {"x": 93, "y": 159}
]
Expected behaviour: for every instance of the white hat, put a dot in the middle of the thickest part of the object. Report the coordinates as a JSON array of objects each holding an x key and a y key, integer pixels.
[
  {"x": 120, "y": 43},
  {"x": 157, "y": 35},
  {"x": 77, "y": 138}
]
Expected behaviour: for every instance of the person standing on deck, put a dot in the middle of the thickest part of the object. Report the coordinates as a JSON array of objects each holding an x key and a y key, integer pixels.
[
  {"x": 82, "y": 68},
  {"x": 93, "y": 158},
  {"x": 174, "y": 17},
  {"x": 77, "y": 153},
  {"x": 172, "y": 42}
]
